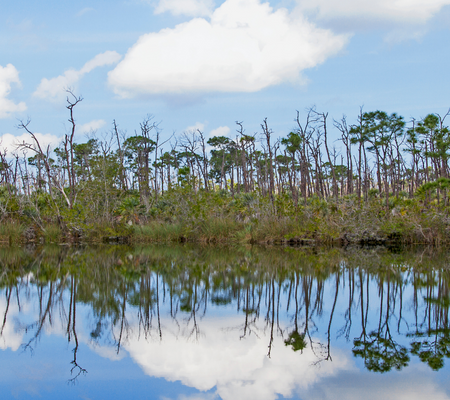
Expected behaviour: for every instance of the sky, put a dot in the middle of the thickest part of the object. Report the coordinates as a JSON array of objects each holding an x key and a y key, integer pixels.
[{"x": 205, "y": 64}]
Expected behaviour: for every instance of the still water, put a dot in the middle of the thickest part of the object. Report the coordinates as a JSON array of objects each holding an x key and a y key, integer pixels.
[{"x": 192, "y": 322}]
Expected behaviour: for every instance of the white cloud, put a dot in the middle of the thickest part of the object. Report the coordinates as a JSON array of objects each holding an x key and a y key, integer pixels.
[
  {"x": 245, "y": 47},
  {"x": 398, "y": 11},
  {"x": 197, "y": 126},
  {"x": 220, "y": 131},
  {"x": 105, "y": 351},
  {"x": 191, "y": 8},
  {"x": 91, "y": 126},
  {"x": 10, "y": 143},
  {"x": 10, "y": 337},
  {"x": 236, "y": 368},
  {"x": 9, "y": 75},
  {"x": 100, "y": 60},
  {"x": 55, "y": 88}
]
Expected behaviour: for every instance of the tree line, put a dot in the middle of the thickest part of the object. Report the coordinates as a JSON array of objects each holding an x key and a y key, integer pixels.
[{"x": 377, "y": 155}]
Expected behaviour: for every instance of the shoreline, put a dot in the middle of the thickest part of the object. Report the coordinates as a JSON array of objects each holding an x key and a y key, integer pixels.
[{"x": 277, "y": 231}]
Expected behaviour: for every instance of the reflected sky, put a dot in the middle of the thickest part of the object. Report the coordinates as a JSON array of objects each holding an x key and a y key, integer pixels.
[
  {"x": 237, "y": 368},
  {"x": 183, "y": 324}
]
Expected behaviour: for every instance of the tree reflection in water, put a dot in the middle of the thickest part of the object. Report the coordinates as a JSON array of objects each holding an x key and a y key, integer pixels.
[{"x": 308, "y": 297}]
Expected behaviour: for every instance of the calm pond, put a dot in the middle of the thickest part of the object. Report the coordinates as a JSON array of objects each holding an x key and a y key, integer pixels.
[{"x": 193, "y": 322}]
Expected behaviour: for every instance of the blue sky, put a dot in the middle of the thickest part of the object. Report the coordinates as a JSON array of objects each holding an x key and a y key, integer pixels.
[{"x": 207, "y": 64}]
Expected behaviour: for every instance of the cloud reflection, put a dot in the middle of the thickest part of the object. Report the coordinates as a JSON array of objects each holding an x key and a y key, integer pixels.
[
  {"x": 237, "y": 368},
  {"x": 10, "y": 337}
]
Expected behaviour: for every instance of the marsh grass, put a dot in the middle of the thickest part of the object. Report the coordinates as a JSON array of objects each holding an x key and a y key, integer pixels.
[
  {"x": 11, "y": 232},
  {"x": 219, "y": 230},
  {"x": 247, "y": 219},
  {"x": 272, "y": 228},
  {"x": 158, "y": 232},
  {"x": 322, "y": 224},
  {"x": 52, "y": 234}
]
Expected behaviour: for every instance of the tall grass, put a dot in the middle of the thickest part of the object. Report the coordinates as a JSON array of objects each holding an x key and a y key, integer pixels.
[
  {"x": 158, "y": 232},
  {"x": 246, "y": 219},
  {"x": 11, "y": 232},
  {"x": 219, "y": 230},
  {"x": 52, "y": 234}
]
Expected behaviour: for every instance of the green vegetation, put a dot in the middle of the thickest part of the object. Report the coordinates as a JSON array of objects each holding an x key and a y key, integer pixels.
[{"x": 389, "y": 183}]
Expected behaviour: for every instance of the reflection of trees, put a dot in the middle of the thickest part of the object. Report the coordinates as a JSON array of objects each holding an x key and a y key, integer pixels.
[
  {"x": 345, "y": 329},
  {"x": 431, "y": 339},
  {"x": 432, "y": 347},
  {"x": 380, "y": 352},
  {"x": 306, "y": 295},
  {"x": 303, "y": 286},
  {"x": 76, "y": 369},
  {"x": 8, "y": 292},
  {"x": 50, "y": 295},
  {"x": 44, "y": 314},
  {"x": 379, "y": 349},
  {"x": 145, "y": 300},
  {"x": 252, "y": 303},
  {"x": 295, "y": 339}
]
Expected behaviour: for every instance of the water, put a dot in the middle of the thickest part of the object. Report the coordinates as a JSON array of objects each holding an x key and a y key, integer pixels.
[{"x": 192, "y": 322}]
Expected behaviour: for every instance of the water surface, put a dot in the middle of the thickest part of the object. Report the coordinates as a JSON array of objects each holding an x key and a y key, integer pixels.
[{"x": 192, "y": 322}]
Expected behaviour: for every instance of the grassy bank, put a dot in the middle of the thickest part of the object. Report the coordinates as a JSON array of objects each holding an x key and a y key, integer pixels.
[
  {"x": 217, "y": 217},
  {"x": 320, "y": 223}
]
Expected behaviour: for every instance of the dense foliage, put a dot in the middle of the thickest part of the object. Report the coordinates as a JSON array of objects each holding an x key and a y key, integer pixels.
[{"x": 385, "y": 179}]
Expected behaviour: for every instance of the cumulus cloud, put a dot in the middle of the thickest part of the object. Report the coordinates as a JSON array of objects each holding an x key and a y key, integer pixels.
[
  {"x": 235, "y": 368},
  {"x": 245, "y": 47},
  {"x": 8, "y": 76},
  {"x": 91, "y": 126},
  {"x": 197, "y": 126},
  {"x": 10, "y": 143},
  {"x": 398, "y": 11},
  {"x": 220, "y": 131},
  {"x": 191, "y": 8},
  {"x": 54, "y": 89},
  {"x": 104, "y": 351}
]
